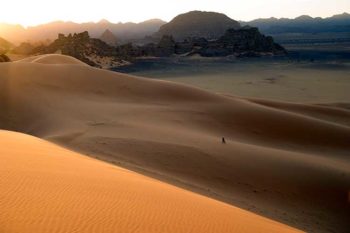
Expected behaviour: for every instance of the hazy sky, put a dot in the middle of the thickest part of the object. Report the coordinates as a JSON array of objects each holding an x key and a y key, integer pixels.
[{"x": 32, "y": 12}]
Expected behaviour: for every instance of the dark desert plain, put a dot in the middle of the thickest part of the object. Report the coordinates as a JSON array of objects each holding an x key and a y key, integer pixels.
[
  {"x": 310, "y": 74},
  {"x": 219, "y": 127}
]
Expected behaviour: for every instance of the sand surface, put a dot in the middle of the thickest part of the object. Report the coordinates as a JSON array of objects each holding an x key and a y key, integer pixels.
[
  {"x": 288, "y": 162},
  {"x": 45, "y": 188}
]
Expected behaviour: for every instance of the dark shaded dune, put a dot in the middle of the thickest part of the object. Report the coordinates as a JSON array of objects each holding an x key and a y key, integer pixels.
[
  {"x": 345, "y": 106},
  {"x": 214, "y": 114},
  {"x": 334, "y": 113},
  {"x": 285, "y": 161}
]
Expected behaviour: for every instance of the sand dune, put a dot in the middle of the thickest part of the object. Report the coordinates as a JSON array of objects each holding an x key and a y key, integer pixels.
[
  {"x": 53, "y": 59},
  {"x": 45, "y": 188},
  {"x": 283, "y": 161}
]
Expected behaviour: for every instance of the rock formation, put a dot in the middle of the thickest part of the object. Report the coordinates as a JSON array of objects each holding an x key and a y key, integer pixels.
[
  {"x": 89, "y": 50},
  {"x": 244, "y": 41}
]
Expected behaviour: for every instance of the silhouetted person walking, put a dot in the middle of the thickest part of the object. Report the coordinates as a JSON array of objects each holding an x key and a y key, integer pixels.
[{"x": 223, "y": 140}]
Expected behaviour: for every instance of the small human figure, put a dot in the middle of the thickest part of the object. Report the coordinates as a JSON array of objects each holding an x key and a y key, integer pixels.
[{"x": 223, "y": 140}]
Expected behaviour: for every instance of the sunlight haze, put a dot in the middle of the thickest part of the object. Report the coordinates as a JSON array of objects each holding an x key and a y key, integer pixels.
[{"x": 29, "y": 13}]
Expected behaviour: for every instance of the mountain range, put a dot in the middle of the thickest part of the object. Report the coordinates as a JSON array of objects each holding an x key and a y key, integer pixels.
[
  {"x": 303, "y": 24},
  {"x": 195, "y": 23},
  {"x": 124, "y": 31}
]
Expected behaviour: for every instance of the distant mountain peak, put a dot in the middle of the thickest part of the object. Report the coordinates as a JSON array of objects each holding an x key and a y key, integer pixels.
[
  {"x": 104, "y": 21},
  {"x": 209, "y": 25},
  {"x": 304, "y": 17},
  {"x": 341, "y": 16},
  {"x": 153, "y": 21},
  {"x": 108, "y": 37}
]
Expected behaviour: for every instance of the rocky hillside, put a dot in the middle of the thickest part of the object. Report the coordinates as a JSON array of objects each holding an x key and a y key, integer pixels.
[
  {"x": 210, "y": 25},
  {"x": 303, "y": 24}
]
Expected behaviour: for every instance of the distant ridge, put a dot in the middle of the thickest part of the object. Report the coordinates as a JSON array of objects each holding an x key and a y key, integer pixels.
[
  {"x": 303, "y": 24},
  {"x": 211, "y": 24},
  {"x": 124, "y": 31}
]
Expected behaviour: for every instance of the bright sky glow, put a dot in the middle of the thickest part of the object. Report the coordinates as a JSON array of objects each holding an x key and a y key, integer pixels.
[{"x": 33, "y": 12}]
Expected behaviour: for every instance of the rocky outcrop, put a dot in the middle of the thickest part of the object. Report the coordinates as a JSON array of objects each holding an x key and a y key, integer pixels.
[
  {"x": 81, "y": 46},
  {"x": 190, "y": 44},
  {"x": 240, "y": 42},
  {"x": 164, "y": 48},
  {"x": 4, "y": 58},
  {"x": 244, "y": 41},
  {"x": 209, "y": 25}
]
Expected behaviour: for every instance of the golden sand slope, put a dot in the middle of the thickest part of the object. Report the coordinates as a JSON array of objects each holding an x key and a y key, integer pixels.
[
  {"x": 283, "y": 161},
  {"x": 45, "y": 188}
]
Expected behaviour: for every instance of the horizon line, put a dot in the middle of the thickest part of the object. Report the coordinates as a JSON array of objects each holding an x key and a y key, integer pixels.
[{"x": 142, "y": 21}]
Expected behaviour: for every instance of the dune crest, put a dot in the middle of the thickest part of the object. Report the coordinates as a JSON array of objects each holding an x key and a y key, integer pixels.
[{"x": 52, "y": 59}]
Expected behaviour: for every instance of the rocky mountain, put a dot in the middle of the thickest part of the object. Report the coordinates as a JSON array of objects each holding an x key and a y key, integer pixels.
[
  {"x": 108, "y": 37},
  {"x": 209, "y": 25},
  {"x": 303, "y": 24},
  {"x": 123, "y": 31}
]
